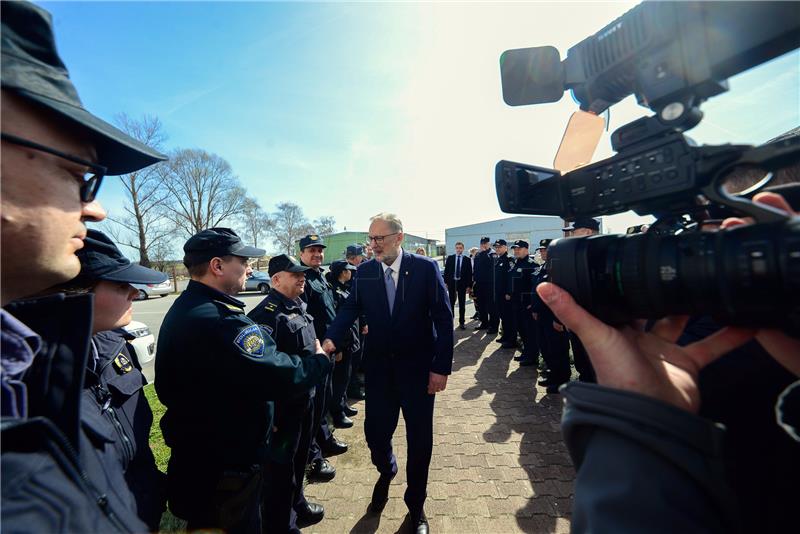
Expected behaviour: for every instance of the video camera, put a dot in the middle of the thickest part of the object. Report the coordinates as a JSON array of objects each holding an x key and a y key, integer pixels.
[{"x": 672, "y": 56}]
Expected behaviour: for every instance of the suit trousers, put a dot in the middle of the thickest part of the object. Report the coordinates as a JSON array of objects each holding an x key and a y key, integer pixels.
[
  {"x": 285, "y": 466},
  {"x": 458, "y": 291},
  {"x": 392, "y": 387}
]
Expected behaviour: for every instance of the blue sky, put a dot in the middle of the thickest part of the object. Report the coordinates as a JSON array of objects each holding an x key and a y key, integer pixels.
[{"x": 350, "y": 109}]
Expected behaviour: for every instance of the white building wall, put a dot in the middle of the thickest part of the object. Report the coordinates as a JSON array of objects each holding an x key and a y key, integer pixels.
[{"x": 531, "y": 228}]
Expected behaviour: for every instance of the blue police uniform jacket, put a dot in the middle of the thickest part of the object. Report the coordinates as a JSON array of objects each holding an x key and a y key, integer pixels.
[
  {"x": 217, "y": 372},
  {"x": 114, "y": 397},
  {"x": 61, "y": 471},
  {"x": 418, "y": 334}
]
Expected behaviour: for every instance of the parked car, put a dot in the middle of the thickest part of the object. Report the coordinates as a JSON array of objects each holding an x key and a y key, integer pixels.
[
  {"x": 143, "y": 342},
  {"x": 149, "y": 290},
  {"x": 258, "y": 281}
]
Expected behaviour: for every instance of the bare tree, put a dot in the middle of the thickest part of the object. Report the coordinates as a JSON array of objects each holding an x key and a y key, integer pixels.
[
  {"x": 290, "y": 224},
  {"x": 325, "y": 225},
  {"x": 203, "y": 191},
  {"x": 142, "y": 225},
  {"x": 257, "y": 224}
]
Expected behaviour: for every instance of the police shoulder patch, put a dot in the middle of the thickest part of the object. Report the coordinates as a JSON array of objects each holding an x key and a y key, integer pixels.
[
  {"x": 123, "y": 364},
  {"x": 251, "y": 340}
]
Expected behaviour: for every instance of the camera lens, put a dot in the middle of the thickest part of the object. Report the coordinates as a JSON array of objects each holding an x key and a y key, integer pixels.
[{"x": 747, "y": 275}]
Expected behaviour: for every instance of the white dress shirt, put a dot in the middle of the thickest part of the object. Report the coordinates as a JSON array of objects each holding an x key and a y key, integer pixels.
[{"x": 395, "y": 268}]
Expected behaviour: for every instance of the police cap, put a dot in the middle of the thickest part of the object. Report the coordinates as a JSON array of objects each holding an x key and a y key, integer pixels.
[
  {"x": 340, "y": 265},
  {"x": 519, "y": 243},
  {"x": 284, "y": 262},
  {"x": 32, "y": 69},
  {"x": 486, "y": 240},
  {"x": 215, "y": 243},
  {"x": 500, "y": 243},
  {"x": 311, "y": 240},
  {"x": 586, "y": 222},
  {"x": 544, "y": 243},
  {"x": 354, "y": 250},
  {"x": 102, "y": 260}
]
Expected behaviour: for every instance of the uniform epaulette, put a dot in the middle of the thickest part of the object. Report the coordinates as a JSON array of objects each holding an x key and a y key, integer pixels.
[{"x": 230, "y": 306}]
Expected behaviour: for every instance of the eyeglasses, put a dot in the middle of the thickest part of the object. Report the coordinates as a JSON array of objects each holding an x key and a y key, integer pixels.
[
  {"x": 90, "y": 182},
  {"x": 379, "y": 238}
]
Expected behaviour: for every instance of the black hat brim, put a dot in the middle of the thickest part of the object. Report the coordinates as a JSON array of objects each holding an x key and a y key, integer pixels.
[
  {"x": 135, "y": 274},
  {"x": 116, "y": 150},
  {"x": 313, "y": 245},
  {"x": 248, "y": 252}
]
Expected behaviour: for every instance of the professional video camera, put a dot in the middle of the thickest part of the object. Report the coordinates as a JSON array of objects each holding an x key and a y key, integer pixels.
[{"x": 672, "y": 56}]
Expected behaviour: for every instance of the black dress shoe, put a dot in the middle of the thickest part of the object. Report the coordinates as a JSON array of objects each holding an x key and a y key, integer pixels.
[
  {"x": 518, "y": 358},
  {"x": 349, "y": 411},
  {"x": 333, "y": 446},
  {"x": 527, "y": 362},
  {"x": 420, "y": 524},
  {"x": 462, "y": 327},
  {"x": 491, "y": 331},
  {"x": 380, "y": 493},
  {"x": 342, "y": 421},
  {"x": 481, "y": 327},
  {"x": 509, "y": 345},
  {"x": 321, "y": 471},
  {"x": 357, "y": 394},
  {"x": 310, "y": 514},
  {"x": 546, "y": 382}
]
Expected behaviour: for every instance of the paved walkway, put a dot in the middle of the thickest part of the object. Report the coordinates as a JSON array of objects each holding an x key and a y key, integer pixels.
[{"x": 499, "y": 464}]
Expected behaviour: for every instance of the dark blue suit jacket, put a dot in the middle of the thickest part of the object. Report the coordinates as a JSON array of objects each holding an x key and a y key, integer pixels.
[{"x": 419, "y": 331}]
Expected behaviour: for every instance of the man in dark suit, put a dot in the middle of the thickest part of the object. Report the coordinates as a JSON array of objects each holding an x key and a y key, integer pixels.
[
  {"x": 458, "y": 277},
  {"x": 407, "y": 360}
]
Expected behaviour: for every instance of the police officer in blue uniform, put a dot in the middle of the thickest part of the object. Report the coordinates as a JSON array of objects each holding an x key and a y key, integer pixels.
[
  {"x": 521, "y": 295},
  {"x": 553, "y": 344},
  {"x": 502, "y": 296},
  {"x": 354, "y": 255},
  {"x": 217, "y": 373},
  {"x": 483, "y": 287},
  {"x": 283, "y": 315},
  {"x": 318, "y": 296},
  {"x": 339, "y": 277}
]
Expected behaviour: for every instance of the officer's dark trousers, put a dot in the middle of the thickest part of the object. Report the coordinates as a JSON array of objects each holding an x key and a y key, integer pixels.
[
  {"x": 494, "y": 313},
  {"x": 458, "y": 292},
  {"x": 341, "y": 378},
  {"x": 582, "y": 363},
  {"x": 507, "y": 315},
  {"x": 323, "y": 394},
  {"x": 527, "y": 331},
  {"x": 392, "y": 387},
  {"x": 285, "y": 466},
  {"x": 486, "y": 305},
  {"x": 209, "y": 498},
  {"x": 555, "y": 350}
]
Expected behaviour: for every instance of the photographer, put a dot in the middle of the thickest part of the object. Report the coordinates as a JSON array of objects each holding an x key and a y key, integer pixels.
[{"x": 645, "y": 461}]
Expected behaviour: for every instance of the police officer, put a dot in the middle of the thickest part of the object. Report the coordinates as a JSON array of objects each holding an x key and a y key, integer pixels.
[
  {"x": 318, "y": 296},
  {"x": 502, "y": 296},
  {"x": 355, "y": 389},
  {"x": 283, "y": 315},
  {"x": 582, "y": 226},
  {"x": 339, "y": 277},
  {"x": 482, "y": 287},
  {"x": 553, "y": 344},
  {"x": 521, "y": 293},
  {"x": 217, "y": 372}
]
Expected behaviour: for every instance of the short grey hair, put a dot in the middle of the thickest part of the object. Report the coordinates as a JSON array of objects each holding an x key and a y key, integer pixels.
[{"x": 395, "y": 224}]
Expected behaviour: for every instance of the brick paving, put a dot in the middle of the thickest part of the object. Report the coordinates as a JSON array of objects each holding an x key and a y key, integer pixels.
[{"x": 499, "y": 464}]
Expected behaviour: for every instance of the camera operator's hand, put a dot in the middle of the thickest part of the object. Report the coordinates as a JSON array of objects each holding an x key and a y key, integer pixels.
[
  {"x": 785, "y": 349},
  {"x": 648, "y": 363}
]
